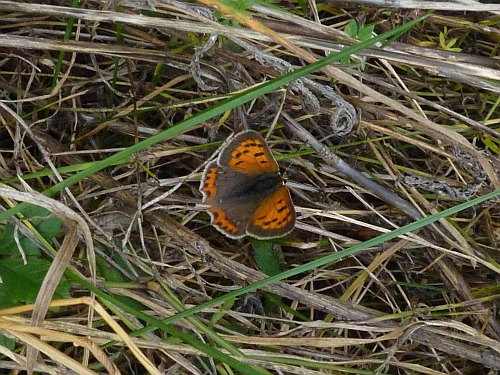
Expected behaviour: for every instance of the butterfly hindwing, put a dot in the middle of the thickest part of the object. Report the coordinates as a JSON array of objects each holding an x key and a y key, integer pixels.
[
  {"x": 225, "y": 223},
  {"x": 274, "y": 217}
]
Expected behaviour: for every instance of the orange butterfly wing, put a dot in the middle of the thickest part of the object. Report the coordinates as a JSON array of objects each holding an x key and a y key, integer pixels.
[
  {"x": 207, "y": 185},
  {"x": 248, "y": 153},
  {"x": 221, "y": 215},
  {"x": 225, "y": 224},
  {"x": 274, "y": 217}
]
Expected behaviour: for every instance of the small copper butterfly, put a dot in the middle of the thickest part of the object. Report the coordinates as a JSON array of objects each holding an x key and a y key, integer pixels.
[{"x": 245, "y": 191}]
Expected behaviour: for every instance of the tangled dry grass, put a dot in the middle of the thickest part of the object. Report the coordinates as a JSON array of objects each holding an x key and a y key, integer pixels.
[{"x": 112, "y": 109}]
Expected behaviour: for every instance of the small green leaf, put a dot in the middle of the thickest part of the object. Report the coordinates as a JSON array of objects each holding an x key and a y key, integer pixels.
[
  {"x": 451, "y": 43},
  {"x": 108, "y": 272},
  {"x": 48, "y": 227},
  {"x": 266, "y": 257},
  {"x": 5, "y": 300},
  {"x": 303, "y": 5},
  {"x": 365, "y": 32},
  {"x": 222, "y": 312},
  {"x": 7, "y": 343},
  {"x": 21, "y": 282},
  {"x": 46, "y": 224},
  {"x": 491, "y": 145},
  {"x": 9, "y": 246},
  {"x": 245, "y": 4},
  {"x": 442, "y": 41},
  {"x": 352, "y": 29}
]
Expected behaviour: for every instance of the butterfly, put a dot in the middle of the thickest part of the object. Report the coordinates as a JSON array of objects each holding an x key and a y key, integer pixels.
[{"x": 245, "y": 192}]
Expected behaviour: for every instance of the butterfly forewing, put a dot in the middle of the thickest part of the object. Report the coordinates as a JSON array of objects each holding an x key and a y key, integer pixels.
[
  {"x": 207, "y": 185},
  {"x": 229, "y": 215},
  {"x": 247, "y": 152}
]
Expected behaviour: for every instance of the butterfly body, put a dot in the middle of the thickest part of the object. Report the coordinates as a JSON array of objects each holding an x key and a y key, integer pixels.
[
  {"x": 245, "y": 191},
  {"x": 248, "y": 188}
]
